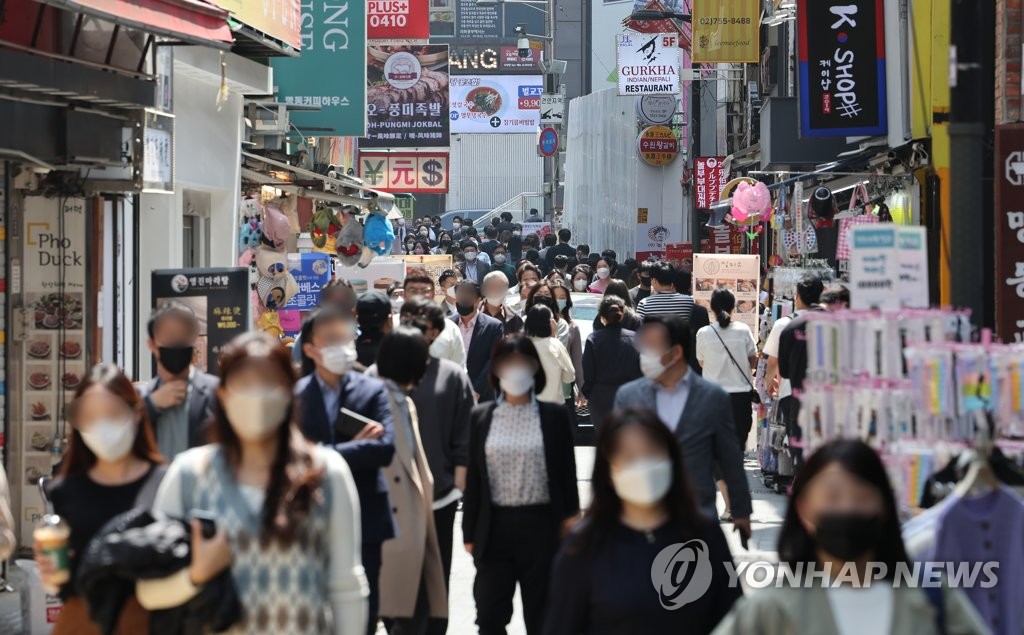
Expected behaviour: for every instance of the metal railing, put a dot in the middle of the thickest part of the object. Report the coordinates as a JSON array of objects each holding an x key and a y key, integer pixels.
[{"x": 519, "y": 206}]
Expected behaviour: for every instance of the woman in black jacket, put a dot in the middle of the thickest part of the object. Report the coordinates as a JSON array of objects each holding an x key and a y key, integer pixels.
[
  {"x": 618, "y": 572},
  {"x": 609, "y": 359},
  {"x": 521, "y": 491}
]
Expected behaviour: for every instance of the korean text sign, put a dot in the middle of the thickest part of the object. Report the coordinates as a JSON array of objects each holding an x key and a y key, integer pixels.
[
  {"x": 407, "y": 97},
  {"x": 888, "y": 267},
  {"x": 330, "y": 72},
  {"x": 648, "y": 63},
  {"x": 708, "y": 180},
  {"x": 726, "y": 31},
  {"x": 740, "y": 274},
  {"x": 412, "y": 172},
  {"x": 842, "y": 68},
  {"x": 1009, "y": 233},
  {"x": 495, "y": 103},
  {"x": 397, "y": 21},
  {"x": 311, "y": 273}
]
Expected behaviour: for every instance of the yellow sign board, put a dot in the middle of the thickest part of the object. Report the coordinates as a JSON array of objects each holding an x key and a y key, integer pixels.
[
  {"x": 278, "y": 19},
  {"x": 726, "y": 31}
]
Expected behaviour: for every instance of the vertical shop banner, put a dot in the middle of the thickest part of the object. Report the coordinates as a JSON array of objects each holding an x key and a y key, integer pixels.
[
  {"x": 874, "y": 267},
  {"x": 648, "y": 64},
  {"x": 842, "y": 68},
  {"x": 1009, "y": 233},
  {"x": 407, "y": 97},
  {"x": 397, "y": 21},
  {"x": 278, "y": 19},
  {"x": 311, "y": 273},
  {"x": 218, "y": 296},
  {"x": 708, "y": 180},
  {"x": 740, "y": 274},
  {"x": 419, "y": 173},
  {"x": 652, "y": 239},
  {"x": 726, "y": 31},
  {"x": 330, "y": 72},
  {"x": 53, "y": 286},
  {"x": 912, "y": 246},
  {"x": 495, "y": 103}
]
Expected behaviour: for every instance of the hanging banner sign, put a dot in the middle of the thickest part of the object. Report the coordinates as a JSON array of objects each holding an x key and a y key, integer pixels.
[
  {"x": 740, "y": 274},
  {"x": 842, "y": 68},
  {"x": 708, "y": 179},
  {"x": 397, "y": 22},
  {"x": 495, "y": 103},
  {"x": 411, "y": 173},
  {"x": 311, "y": 272},
  {"x": 1009, "y": 230},
  {"x": 407, "y": 97},
  {"x": 648, "y": 64},
  {"x": 888, "y": 267},
  {"x": 726, "y": 31},
  {"x": 680, "y": 255},
  {"x": 652, "y": 239},
  {"x": 657, "y": 145},
  {"x": 656, "y": 110}
]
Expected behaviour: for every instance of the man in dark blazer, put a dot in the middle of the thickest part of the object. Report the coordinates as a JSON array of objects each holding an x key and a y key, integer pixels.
[
  {"x": 472, "y": 268},
  {"x": 480, "y": 333},
  {"x": 561, "y": 249},
  {"x": 329, "y": 385},
  {"x": 180, "y": 398},
  {"x": 697, "y": 411}
]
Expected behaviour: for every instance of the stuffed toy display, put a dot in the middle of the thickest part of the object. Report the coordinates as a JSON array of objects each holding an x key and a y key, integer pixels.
[
  {"x": 323, "y": 224},
  {"x": 378, "y": 234},
  {"x": 277, "y": 229},
  {"x": 274, "y": 293},
  {"x": 273, "y": 264},
  {"x": 350, "y": 240},
  {"x": 751, "y": 204},
  {"x": 250, "y": 233}
]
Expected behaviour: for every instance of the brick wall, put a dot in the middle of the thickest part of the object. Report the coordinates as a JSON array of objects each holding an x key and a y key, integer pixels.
[{"x": 1009, "y": 18}]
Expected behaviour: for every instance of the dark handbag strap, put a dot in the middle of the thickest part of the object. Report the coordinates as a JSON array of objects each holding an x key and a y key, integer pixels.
[
  {"x": 746, "y": 375},
  {"x": 147, "y": 494}
]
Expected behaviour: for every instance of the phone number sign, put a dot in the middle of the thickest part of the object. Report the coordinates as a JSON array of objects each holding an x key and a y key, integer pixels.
[{"x": 397, "y": 21}]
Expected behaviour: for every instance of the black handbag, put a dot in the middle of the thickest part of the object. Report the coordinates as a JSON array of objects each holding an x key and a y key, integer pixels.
[{"x": 755, "y": 397}]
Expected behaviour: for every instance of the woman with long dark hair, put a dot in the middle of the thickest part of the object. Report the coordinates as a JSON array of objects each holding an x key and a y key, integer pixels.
[
  {"x": 842, "y": 517},
  {"x": 630, "y": 320},
  {"x": 112, "y": 465},
  {"x": 286, "y": 511},
  {"x": 610, "y": 359},
  {"x": 642, "y": 505}
]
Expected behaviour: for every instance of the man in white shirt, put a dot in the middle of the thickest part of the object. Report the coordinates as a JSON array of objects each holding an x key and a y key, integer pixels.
[{"x": 448, "y": 344}]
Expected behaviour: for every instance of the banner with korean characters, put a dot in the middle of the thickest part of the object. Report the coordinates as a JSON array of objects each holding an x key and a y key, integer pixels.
[
  {"x": 407, "y": 97},
  {"x": 495, "y": 103},
  {"x": 1009, "y": 233},
  {"x": 680, "y": 255},
  {"x": 219, "y": 297},
  {"x": 648, "y": 64},
  {"x": 888, "y": 267},
  {"x": 409, "y": 173},
  {"x": 52, "y": 275},
  {"x": 740, "y": 274},
  {"x": 330, "y": 72},
  {"x": 433, "y": 266},
  {"x": 708, "y": 180},
  {"x": 842, "y": 68},
  {"x": 397, "y": 22},
  {"x": 726, "y": 31}
]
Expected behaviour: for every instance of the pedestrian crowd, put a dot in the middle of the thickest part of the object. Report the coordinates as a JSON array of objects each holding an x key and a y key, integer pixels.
[{"x": 316, "y": 491}]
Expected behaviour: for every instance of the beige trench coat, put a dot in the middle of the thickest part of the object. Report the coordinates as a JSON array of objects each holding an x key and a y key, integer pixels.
[{"x": 415, "y": 552}]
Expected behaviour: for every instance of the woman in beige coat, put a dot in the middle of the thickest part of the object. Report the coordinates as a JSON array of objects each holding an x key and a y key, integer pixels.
[{"x": 412, "y": 583}]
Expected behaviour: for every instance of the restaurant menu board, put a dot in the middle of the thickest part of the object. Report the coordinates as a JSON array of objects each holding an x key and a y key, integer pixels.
[
  {"x": 495, "y": 103},
  {"x": 379, "y": 275},
  {"x": 54, "y": 355},
  {"x": 740, "y": 274},
  {"x": 406, "y": 97},
  {"x": 220, "y": 299}
]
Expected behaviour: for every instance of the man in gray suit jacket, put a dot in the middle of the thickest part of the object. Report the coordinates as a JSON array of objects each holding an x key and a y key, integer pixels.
[{"x": 697, "y": 411}]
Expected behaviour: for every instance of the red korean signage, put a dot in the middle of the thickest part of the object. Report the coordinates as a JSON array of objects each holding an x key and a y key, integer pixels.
[
  {"x": 1009, "y": 232},
  {"x": 657, "y": 145},
  {"x": 708, "y": 180},
  {"x": 397, "y": 22},
  {"x": 680, "y": 255}
]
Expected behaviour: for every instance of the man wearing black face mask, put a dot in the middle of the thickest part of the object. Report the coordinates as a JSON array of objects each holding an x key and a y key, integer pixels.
[
  {"x": 179, "y": 399},
  {"x": 480, "y": 334}
]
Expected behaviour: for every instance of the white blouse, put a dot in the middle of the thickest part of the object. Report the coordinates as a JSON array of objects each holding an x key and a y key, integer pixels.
[{"x": 516, "y": 470}]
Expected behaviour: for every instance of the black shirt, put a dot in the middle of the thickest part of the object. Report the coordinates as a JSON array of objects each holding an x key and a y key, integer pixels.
[
  {"x": 87, "y": 506},
  {"x": 793, "y": 349},
  {"x": 610, "y": 592}
]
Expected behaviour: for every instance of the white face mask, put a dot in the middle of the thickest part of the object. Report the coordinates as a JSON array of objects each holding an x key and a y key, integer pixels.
[
  {"x": 495, "y": 300},
  {"x": 603, "y": 272},
  {"x": 470, "y": 256},
  {"x": 651, "y": 366},
  {"x": 338, "y": 359},
  {"x": 110, "y": 440},
  {"x": 401, "y": 222},
  {"x": 643, "y": 482},
  {"x": 580, "y": 285},
  {"x": 499, "y": 259},
  {"x": 457, "y": 225},
  {"x": 516, "y": 381},
  {"x": 255, "y": 414}
]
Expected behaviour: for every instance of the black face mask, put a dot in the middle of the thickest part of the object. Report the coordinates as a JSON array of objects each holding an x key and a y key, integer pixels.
[
  {"x": 464, "y": 309},
  {"x": 847, "y": 535},
  {"x": 175, "y": 359}
]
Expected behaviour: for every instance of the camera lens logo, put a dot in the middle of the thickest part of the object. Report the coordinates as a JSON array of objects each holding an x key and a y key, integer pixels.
[{"x": 681, "y": 573}]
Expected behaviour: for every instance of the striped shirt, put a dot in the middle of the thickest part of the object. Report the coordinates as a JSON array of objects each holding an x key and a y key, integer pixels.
[{"x": 665, "y": 305}]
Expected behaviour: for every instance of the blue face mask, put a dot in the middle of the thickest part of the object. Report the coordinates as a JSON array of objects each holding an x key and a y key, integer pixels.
[{"x": 562, "y": 304}]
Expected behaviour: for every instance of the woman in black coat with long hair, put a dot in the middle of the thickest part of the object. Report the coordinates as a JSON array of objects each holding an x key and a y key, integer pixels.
[{"x": 610, "y": 359}]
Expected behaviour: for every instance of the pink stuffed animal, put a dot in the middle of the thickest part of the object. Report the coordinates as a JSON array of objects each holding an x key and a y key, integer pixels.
[
  {"x": 277, "y": 229},
  {"x": 751, "y": 203}
]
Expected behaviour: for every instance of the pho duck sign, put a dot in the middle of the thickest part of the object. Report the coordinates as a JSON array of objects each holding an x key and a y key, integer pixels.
[
  {"x": 648, "y": 64},
  {"x": 657, "y": 145}
]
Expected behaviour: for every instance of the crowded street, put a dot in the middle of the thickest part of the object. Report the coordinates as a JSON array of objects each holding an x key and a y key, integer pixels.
[{"x": 511, "y": 317}]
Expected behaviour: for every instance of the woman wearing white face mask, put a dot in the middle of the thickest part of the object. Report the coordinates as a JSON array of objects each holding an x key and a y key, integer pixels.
[
  {"x": 285, "y": 509},
  {"x": 521, "y": 491},
  {"x": 643, "y": 503},
  {"x": 604, "y": 271},
  {"x": 112, "y": 465}
]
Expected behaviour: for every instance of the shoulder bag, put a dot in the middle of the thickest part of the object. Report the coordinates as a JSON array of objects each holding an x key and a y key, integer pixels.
[{"x": 755, "y": 397}]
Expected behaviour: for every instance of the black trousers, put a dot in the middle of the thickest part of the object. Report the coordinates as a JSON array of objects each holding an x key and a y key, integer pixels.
[
  {"x": 371, "y": 565},
  {"x": 742, "y": 419},
  {"x": 419, "y": 622},
  {"x": 444, "y": 520},
  {"x": 520, "y": 549}
]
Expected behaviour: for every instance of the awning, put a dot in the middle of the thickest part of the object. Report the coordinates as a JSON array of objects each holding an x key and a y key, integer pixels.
[{"x": 192, "y": 21}]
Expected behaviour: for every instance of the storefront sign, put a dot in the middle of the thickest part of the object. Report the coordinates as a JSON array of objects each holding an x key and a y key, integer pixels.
[
  {"x": 874, "y": 267},
  {"x": 1009, "y": 233},
  {"x": 424, "y": 172},
  {"x": 218, "y": 296},
  {"x": 680, "y": 255},
  {"x": 708, "y": 179},
  {"x": 726, "y": 31},
  {"x": 495, "y": 103},
  {"x": 278, "y": 19},
  {"x": 155, "y": 152},
  {"x": 379, "y": 275},
  {"x": 407, "y": 97},
  {"x": 311, "y": 273},
  {"x": 330, "y": 72},
  {"x": 842, "y": 68},
  {"x": 470, "y": 21},
  {"x": 656, "y": 110},
  {"x": 648, "y": 64},
  {"x": 482, "y": 59},
  {"x": 652, "y": 239},
  {"x": 657, "y": 145},
  {"x": 740, "y": 274},
  {"x": 912, "y": 243},
  {"x": 405, "y": 203},
  {"x": 541, "y": 229},
  {"x": 513, "y": 62},
  {"x": 397, "y": 21},
  {"x": 552, "y": 108}
]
